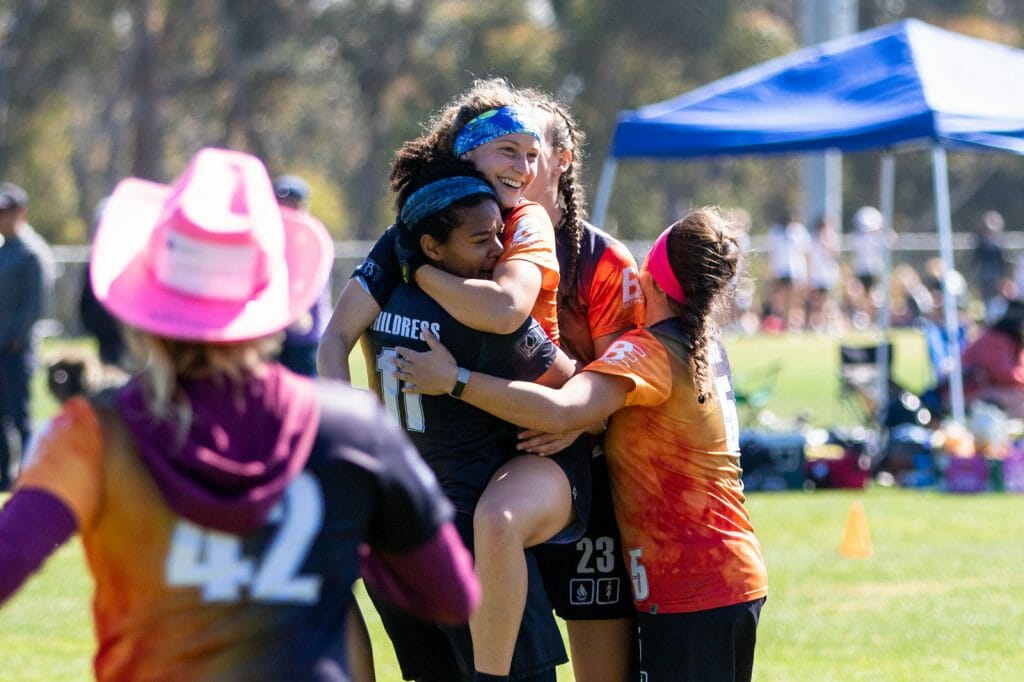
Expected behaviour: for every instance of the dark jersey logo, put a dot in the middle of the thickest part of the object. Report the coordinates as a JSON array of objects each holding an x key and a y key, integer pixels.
[{"x": 528, "y": 345}]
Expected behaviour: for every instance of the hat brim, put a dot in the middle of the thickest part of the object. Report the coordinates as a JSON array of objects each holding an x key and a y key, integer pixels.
[{"x": 125, "y": 285}]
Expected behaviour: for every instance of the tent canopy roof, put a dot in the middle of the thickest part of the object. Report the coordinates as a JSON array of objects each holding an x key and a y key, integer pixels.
[{"x": 900, "y": 83}]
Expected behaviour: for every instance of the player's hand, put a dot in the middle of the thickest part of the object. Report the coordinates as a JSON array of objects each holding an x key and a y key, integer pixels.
[
  {"x": 541, "y": 443},
  {"x": 431, "y": 372},
  {"x": 409, "y": 254}
]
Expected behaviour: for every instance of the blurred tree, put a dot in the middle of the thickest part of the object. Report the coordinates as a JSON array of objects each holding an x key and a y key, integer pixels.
[{"x": 92, "y": 92}]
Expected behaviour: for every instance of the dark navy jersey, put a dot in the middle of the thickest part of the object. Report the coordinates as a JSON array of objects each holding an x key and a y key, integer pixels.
[
  {"x": 379, "y": 271},
  {"x": 462, "y": 444}
]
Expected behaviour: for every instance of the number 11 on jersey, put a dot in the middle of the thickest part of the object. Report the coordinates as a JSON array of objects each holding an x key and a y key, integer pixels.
[{"x": 395, "y": 401}]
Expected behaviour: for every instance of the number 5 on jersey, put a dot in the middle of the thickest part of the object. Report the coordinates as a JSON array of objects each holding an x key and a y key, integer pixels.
[{"x": 638, "y": 575}]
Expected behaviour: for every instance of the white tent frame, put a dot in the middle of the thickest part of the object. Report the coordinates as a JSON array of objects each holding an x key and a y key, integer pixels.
[{"x": 887, "y": 182}]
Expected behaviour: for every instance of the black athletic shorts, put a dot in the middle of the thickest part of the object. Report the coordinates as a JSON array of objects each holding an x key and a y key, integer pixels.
[
  {"x": 587, "y": 579},
  {"x": 575, "y": 462},
  {"x": 716, "y": 645},
  {"x": 431, "y": 653}
]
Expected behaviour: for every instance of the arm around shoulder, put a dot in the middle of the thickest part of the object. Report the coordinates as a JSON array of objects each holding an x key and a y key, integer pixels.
[{"x": 499, "y": 305}]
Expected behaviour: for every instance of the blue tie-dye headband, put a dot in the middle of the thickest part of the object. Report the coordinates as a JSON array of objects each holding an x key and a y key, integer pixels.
[
  {"x": 493, "y": 124},
  {"x": 439, "y": 195}
]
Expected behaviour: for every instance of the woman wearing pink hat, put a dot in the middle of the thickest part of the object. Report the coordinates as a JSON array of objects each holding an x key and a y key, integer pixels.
[
  {"x": 696, "y": 568},
  {"x": 224, "y": 502}
]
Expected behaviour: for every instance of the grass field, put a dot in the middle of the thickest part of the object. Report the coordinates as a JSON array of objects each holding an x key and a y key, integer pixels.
[{"x": 940, "y": 599}]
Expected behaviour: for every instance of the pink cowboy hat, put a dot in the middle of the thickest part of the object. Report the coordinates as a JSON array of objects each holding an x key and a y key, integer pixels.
[{"x": 211, "y": 257}]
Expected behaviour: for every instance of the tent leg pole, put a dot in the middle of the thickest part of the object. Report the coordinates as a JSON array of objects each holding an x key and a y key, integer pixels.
[
  {"x": 604, "y": 194},
  {"x": 886, "y": 194},
  {"x": 940, "y": 177}
]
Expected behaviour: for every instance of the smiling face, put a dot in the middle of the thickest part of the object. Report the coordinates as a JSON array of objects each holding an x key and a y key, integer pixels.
[
  {"x": 509, "y": 163},
  {"x": 473, "y": 247}
]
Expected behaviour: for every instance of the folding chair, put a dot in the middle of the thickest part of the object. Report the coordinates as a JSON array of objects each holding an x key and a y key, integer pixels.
[
  {"x": 753, "y": 388},
  {"x": 861, "y": 381}
]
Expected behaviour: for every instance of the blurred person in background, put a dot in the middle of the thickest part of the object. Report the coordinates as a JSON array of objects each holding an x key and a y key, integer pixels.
[
  {"x": 789, "y": 248},
  {"x": 991, "y": 265},
  {"x": 96, "y": 319},
  {"x": 25, "y": 280},
  {"x": 823, "y": 274},
  {"x": 868, "y": 242},
  {"x": 993, "y": 364},
  {"x": 302, "y": 337}
]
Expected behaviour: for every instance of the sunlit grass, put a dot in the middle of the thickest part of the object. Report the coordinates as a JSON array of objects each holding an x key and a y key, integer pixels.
[{"x": 938, "y": 600}]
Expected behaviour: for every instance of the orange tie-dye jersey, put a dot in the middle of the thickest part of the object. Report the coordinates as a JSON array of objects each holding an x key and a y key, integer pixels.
[
  {"x": 176, "y": 601},
  {"x": 674, "y": 465},
  {"x": 607, "y": 298},
  {"x": 529, "y": 236}
]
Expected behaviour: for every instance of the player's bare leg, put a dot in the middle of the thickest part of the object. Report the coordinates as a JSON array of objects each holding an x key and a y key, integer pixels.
[
  {"x": 526, "y": 503},
  {"x": 602, "y": 650},
  {"x": 359, "y": 648}
]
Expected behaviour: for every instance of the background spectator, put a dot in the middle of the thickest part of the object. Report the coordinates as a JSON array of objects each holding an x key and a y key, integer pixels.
[
  {"x": 25, "y": 286},
  {"x": 991, "y": 266},
  {"x": 789, "y": 246},
  {"x": 867, "y": 260},
  {"x": 993, "y": 364},
  {"x": 823, "y": 274},
  {"x": 301, "y": 338},
  {"x": 96, "y": 319}
]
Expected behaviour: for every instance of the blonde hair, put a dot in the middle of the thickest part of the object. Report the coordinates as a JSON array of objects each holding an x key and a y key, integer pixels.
[{"x": 165, "y": 362}]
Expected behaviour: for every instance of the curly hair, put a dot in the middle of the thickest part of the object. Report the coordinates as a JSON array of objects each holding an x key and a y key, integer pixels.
[
  {"x": 483, "y": 95},
  {"x": 440, "y": 224},
  {"x": 565, "y": 135},
  {"x": 705, "y": 254}
]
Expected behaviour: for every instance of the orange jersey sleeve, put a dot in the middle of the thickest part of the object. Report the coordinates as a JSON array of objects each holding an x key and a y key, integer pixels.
[
  {"x": 615, "y": 297},
  {"x": 67, "y": 462},
  {"x": 603, "y": 298},
  {"x": 641, "y": 358},
  {"x": 529, "y": 236}
]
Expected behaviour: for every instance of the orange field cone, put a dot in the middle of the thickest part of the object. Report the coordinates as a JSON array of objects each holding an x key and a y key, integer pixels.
[{"x": 856, "y": 543}]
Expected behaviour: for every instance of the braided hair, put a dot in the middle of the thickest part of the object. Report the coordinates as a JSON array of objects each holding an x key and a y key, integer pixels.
[
  {"x": 704, "y": 253},
  {"x": 483, "y": 95},
  {"x": 564, "y": 134}
]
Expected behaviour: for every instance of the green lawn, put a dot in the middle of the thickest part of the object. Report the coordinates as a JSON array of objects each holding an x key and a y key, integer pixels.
[{"x": 940, "y": 599}]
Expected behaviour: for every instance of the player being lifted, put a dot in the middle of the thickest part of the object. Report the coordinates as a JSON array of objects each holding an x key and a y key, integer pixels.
[{"x": 698, "y": 576}]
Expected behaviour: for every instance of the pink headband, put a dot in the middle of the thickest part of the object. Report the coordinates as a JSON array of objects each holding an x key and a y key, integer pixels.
[{"x": 661, "y": 271}]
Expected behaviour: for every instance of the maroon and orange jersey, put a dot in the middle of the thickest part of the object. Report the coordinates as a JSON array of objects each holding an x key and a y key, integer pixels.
[
  {"x": 606, "y": 299},
  {"x": 529, "y": 236},
  {"x": 674, "y": 465},
  {"x": 178, "y": 601}
]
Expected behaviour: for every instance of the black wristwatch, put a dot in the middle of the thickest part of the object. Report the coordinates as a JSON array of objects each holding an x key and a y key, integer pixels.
[{"x": 460, "y": 383}]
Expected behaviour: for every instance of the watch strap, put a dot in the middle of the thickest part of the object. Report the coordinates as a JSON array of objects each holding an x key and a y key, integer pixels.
[{"x": 460, "y": 383}]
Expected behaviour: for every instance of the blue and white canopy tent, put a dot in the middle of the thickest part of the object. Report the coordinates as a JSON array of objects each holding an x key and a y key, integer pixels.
[{"x": 905, "y": 84}]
